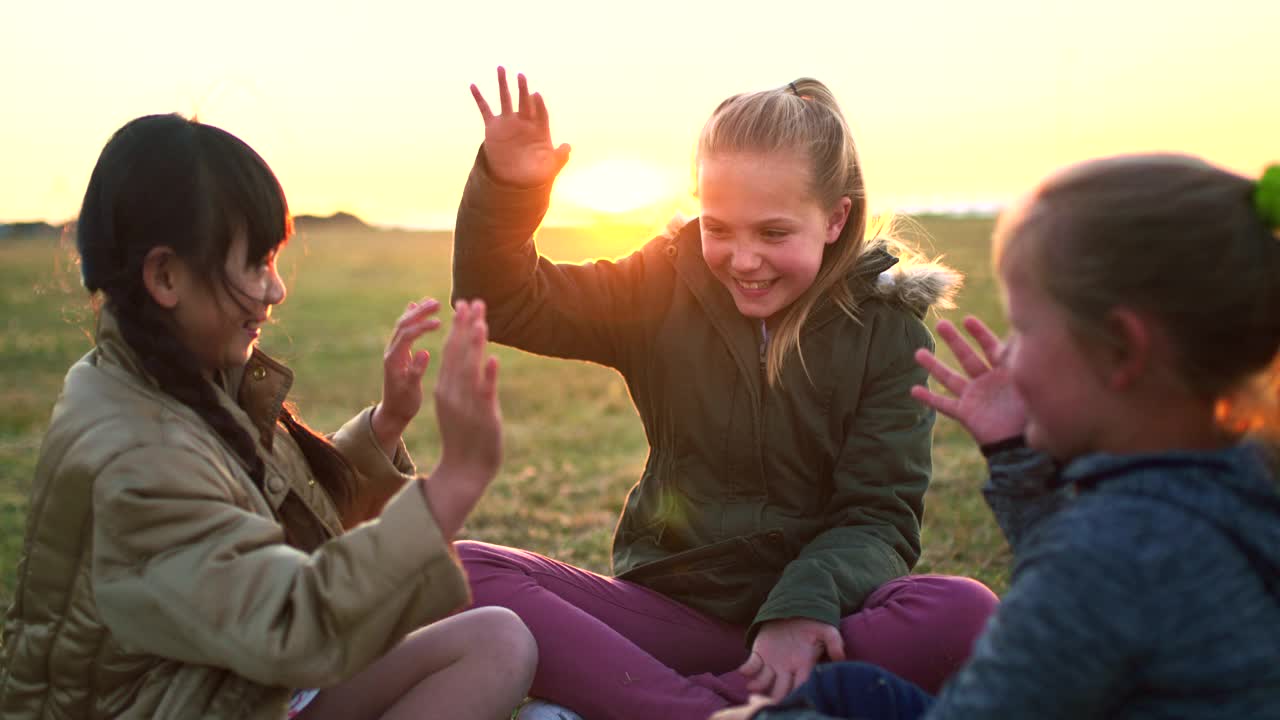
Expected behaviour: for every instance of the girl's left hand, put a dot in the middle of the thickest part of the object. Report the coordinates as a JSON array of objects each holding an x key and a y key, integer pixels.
[
  {"x": 785, "y": 652},
  {"x": 402, "y": 371},
  {"x": 983, "y": 399}
]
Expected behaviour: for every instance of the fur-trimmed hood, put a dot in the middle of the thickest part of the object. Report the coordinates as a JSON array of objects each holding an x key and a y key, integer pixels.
[{"x": 912, "y": 283}]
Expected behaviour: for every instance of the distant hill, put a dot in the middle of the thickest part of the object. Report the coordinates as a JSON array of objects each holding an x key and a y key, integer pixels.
[
  {"x": 302, "y": 223},
  {"x": 336, "y": 221},
  {"x": 23, "y": 230}
]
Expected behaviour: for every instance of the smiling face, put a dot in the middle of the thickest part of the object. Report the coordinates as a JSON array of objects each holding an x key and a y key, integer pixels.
[
  {"x": 763, "y": 231},
  {"x": 221, "y": 324}
]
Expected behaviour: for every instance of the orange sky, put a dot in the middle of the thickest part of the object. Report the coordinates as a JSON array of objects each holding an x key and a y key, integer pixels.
[{"x": 365, "y": 107}]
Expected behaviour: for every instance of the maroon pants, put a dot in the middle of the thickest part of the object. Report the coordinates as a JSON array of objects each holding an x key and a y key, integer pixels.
[{"x": 611, "y": 649}]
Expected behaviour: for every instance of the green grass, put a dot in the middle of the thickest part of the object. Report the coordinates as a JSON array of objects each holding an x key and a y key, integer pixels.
[{"x": 573, "y": 442}]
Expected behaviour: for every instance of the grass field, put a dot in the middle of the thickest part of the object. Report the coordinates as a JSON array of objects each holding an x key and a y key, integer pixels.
[{"x": 574, "y": 444}]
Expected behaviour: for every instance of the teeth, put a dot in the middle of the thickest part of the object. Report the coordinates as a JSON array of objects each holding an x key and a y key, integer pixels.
[{"x": 759, "y": 285}]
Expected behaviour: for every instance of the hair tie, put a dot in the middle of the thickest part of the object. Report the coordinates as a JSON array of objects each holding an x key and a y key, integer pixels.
[
  {"x": 1266, "y": 197},
  {"x": 794, "y": 91}
]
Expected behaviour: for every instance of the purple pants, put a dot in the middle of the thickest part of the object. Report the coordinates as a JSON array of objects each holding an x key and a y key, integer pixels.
[{"x": 611, "y": 649}]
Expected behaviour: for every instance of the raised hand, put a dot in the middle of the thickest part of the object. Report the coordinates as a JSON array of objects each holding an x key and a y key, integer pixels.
[
  {"x": 517, "y": 142},
  {"x": 784, "y": 653},
  {"x": 402, "y": 371},
  {"x": 466, "y": 400},
  {"x": 985, "y": 402}
]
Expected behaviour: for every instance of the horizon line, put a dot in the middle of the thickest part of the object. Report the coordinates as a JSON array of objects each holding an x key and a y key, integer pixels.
[{"x": 976, "y": 209}]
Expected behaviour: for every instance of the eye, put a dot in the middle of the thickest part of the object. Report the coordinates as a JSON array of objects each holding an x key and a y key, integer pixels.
[
  {"x": 775, "y": 235},
  {"x": 715, "y": 231}
]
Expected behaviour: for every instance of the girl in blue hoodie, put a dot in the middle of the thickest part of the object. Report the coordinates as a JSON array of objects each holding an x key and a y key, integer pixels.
[{"x": 1121, "y": 420}]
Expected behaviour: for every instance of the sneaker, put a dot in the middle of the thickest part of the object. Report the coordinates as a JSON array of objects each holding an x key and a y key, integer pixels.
[{"x": 543, "y": 710}]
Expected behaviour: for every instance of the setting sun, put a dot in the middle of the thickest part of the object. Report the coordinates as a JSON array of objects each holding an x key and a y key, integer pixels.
[{"x": 616, "y": 186}]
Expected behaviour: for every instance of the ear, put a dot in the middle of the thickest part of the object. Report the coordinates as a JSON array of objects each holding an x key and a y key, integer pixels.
[
  {"x": 163, "y": 274},
  {"x": 1131, "y": 355},
  {"x": 838, "y": 216}
]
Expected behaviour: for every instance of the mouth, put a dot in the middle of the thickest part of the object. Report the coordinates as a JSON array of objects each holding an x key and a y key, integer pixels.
[
  {"x": 254, "y": 326},
  {"x": 753, "y": 286}
]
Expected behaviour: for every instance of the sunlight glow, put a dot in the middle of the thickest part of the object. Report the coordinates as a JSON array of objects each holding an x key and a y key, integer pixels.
[{"x": 615, "y": 186}]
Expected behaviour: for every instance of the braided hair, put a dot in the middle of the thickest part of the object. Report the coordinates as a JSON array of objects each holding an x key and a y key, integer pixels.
[{"x": 164, "y": 180}]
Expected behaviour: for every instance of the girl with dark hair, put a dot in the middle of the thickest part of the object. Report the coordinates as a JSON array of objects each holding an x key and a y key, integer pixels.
[{"x": 192, "y": 548}]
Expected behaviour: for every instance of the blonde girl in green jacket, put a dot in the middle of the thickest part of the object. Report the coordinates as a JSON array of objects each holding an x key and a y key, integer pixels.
[
  {"x": 768, "y": 348},
  {"x": 192, "y": 549}
]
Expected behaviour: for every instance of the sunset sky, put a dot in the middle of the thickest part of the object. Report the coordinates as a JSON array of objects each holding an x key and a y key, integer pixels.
[{"x": 364, "y": 107}]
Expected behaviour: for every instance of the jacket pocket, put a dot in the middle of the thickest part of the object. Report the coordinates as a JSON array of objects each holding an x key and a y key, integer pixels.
[
  {"x": 729, "y": 579},
  {"x": 701, "y": 559}
]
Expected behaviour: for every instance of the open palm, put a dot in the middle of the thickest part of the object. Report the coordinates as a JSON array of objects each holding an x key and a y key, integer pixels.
[
  {"x": 517, "y": 141},
  {"x": 985, "y": 402}
]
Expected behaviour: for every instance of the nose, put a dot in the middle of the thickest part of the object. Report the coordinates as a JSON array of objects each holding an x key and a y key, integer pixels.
[
  {"x": 744, "y": 259},
  {"x": 275, "y": 291}
]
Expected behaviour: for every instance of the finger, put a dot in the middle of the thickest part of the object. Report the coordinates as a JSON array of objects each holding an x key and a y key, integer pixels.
[
  {"x": 479, "y": 321},
  {"x": 489, "y": 385},
  {"x": 782, "y": 685},
  {"x": 540, "y": 110},
  {"x": 485, "y": 112},
  {"x": 405, "y": 335},
  {"x": 834, "y": 644},
  {"x": 761, "y": 683},
  {"x": 426, "y": 303},
  {"x": 504, "y": 92},
  {"x": 938, "y": 370},
  {"x": 991, "y": 344},
  {"x": 763, "y": 680},
  {"x": 466, "y": 365},
  {"x": 421, "y": 360},
  {"x": 522, "y": 86},
  {"x": 416, "y": 329},
  {"x": 416, "y": 314},
  {"x": 562, "y": 156},
  {"x": 948, "y": 406},
  {"x": 479, "y": 336},
  {"x": 973, "y": 365},
  {"x": 752, "y": 666},
  {"x": 453, "y": 343}
]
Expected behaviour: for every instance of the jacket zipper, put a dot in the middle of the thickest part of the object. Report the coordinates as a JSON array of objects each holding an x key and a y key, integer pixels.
[{"x": 764, "y": 392}]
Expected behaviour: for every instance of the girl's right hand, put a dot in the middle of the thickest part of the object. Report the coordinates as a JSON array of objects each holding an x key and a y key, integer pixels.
[
  {"x": 517, "y": 142},
  {"x": 466, "y": 401},
  {"x": 985, "y": 402}
]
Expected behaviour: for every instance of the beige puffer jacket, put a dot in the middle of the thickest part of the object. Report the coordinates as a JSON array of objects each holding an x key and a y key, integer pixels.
[{"x": 155, "y": 581}]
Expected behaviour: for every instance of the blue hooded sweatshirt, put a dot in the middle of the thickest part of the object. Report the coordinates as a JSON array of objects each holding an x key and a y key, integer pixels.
[{"x": 1144, "y": 586}]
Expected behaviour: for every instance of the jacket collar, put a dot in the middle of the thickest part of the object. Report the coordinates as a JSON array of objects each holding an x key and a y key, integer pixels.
[
  {"x": 262, "y": 387},
  {"x": 684, "y": 249}
]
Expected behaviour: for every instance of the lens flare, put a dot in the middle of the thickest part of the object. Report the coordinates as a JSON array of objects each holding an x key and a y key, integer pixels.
[{"x": 615, "y": 186}]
